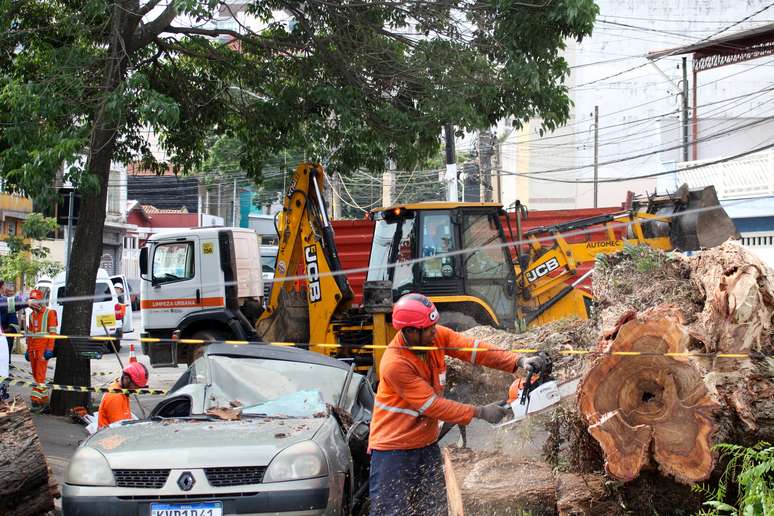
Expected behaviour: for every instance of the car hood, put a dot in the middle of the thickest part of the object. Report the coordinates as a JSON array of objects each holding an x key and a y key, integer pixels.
[{"x": 172, "y": 444}]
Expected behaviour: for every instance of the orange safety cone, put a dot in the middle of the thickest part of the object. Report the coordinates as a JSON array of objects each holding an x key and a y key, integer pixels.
[{"x": 132, "y": 355}]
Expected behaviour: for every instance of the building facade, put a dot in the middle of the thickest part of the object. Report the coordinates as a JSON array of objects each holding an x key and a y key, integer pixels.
[{"x": 639, "y": 105}]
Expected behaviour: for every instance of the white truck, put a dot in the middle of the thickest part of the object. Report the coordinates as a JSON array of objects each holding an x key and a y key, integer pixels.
[{"x": 205, "y": 282}]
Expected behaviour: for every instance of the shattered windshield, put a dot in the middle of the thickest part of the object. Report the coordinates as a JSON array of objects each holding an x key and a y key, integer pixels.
[{"x": 272, "y": 387}]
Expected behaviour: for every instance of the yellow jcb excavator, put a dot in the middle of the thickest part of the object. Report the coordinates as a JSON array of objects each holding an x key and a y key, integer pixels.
[{"x": 458, "y": 254}]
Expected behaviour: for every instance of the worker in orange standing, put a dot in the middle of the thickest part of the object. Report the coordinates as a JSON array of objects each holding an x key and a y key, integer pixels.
[
  {"x": 40, "y": 347},
  {"x": 406, "y": 468},
  {"x": 115, "y": 405}
]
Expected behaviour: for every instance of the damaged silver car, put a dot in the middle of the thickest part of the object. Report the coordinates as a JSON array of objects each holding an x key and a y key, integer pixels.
[{"x": 246, "y": 430}]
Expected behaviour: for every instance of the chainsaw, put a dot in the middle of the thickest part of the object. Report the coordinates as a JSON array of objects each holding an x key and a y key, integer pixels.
[{"x": 535, "y": 395}]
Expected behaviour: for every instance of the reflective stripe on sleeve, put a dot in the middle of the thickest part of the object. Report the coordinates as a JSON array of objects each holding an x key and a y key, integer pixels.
[
  {"x": 426, "y": 405},
  {"x": 397, "y": 410},
  {"x": 475, "y": 351}
]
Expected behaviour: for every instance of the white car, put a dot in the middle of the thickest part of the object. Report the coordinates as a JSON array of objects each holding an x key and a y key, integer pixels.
[
  {"x": 107, "y": 312},
  {"x": 246, "y": 430}
]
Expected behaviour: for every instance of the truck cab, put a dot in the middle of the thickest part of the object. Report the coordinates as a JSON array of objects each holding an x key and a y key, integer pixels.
[{"x": 204, "y": 283}]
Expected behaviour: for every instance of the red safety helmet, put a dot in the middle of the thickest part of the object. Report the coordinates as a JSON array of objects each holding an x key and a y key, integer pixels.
[
  {"x": 138, "y": 373},
  {"x": 36, "y": 294},
  {"x": 414, "y": 311}
]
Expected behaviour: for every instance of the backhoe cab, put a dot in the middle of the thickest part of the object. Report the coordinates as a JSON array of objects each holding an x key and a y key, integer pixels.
[
  {"x": 455, "y": 253},
  {"x": 458, "y": 254}
]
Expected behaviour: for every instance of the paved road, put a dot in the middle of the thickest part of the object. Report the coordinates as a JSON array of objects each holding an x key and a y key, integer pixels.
[{"x": 60, "y": 436}]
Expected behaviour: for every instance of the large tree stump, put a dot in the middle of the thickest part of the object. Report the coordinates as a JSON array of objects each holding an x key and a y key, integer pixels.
[
  {"x": 644, "y": 409},
  {"x": 26, "y": 487}
]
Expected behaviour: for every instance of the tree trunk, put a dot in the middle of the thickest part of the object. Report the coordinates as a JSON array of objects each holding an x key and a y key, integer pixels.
[
  {"x": 650, "y": 408},
  {"x": 668, "y": 411},
  {"x": 71, "y": 369},
  {"x": 498, "y": 484},
  {"x": 26, "y": 486}
]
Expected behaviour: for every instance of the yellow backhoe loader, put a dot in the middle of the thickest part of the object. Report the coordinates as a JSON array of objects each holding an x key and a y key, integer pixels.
[{"x": 460, "y": 256}]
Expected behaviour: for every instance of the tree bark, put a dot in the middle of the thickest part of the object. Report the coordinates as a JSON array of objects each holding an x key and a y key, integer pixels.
[
  {"x": 497, "y": 484},
  {"x": 71, "y": 368},
  {"x": 26, "y": 486}
]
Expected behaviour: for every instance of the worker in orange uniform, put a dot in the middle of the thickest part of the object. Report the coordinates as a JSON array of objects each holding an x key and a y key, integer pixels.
[
  {"x": 40, "y": 348},
  {"x": 406, "y": 468},
  {"x": 115, "y": 405}
]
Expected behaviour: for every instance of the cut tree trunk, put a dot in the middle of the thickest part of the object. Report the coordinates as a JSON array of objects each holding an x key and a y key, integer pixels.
[
  {"x": 496, "y": 484},
  {"x": 650, "y": 408},
  {"x": 718, "y": 386},
  {"x": 26, "y": 485}
]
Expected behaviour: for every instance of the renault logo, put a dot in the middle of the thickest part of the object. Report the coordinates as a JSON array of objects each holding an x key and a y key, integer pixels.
[{"x": 186, "y": 481}]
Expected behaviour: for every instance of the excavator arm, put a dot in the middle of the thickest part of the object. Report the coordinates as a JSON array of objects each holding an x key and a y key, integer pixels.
[
  {"x": 687, "y": 220},
  {"x": 309, "y": 287}
]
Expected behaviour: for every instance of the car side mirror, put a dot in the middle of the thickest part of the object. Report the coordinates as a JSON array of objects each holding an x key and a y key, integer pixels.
[{"x": 144, "y": 263}]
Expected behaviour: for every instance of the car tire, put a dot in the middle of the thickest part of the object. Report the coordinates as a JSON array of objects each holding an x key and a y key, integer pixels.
[{"x": 194, "y": 351}]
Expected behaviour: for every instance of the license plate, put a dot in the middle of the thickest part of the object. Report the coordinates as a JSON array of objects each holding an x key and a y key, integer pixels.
[
  {"x": 187, "y": 509},
  {"x": 106, "y": 319}
]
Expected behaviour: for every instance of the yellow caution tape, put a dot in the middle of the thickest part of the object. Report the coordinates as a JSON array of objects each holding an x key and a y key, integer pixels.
[
  {"x": 242, "y": 342},
  {"x": 78, "y": 388}
]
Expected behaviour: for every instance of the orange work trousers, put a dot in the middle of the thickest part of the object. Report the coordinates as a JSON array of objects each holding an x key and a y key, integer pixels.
[{"x": 39, "y": 366}]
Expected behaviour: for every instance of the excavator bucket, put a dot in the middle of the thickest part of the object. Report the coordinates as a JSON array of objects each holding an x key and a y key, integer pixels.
[
  {"x": 698, "y": 220},
  {"x": 290, "y": 320}
]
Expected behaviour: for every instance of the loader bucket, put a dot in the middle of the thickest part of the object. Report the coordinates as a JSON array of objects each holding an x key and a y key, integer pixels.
[
  {"x": 289, "y": 322},
  {"x": 698, "y": 219}
]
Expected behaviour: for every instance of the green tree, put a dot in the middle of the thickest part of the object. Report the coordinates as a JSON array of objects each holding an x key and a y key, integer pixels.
[
  {"x": 27, "y": 254},
  {"x": 351, "y": 83}
]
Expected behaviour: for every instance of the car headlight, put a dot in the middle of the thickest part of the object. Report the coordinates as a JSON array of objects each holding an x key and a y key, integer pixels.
[
  {"x": 296, "y": 462},
  {"x": 89, "y": 467}
]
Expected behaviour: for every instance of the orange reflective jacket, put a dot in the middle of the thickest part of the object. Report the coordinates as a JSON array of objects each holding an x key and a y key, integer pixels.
[
  {"x": 409, "y": 401},
  {"x": 42, "y": 323},
  {"x": 114, "y": 407}
]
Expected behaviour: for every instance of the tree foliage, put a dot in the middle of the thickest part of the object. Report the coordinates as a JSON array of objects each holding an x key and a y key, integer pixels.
[
  {"x": 352, "y": 83},
  {"x": 749, "y": 470},
  {"x": 27, "y": 256}
]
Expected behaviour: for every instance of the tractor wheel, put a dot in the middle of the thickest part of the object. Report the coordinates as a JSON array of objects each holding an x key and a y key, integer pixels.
[{"x": 457, "y": 321}]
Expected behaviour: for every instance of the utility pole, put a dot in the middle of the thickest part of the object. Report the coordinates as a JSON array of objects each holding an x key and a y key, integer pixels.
[
  {"x": 596, "y": 156},
  {"x": 234, "y": 208},
  {"x": 388, "y": 183},
  {"x": 685, "y": 109},
  {"x": 335, "y": 200},
  {"x": 485, "y": 148},
  {"x": 497, "y": 187},
  {"x": 451, "y": 165}
]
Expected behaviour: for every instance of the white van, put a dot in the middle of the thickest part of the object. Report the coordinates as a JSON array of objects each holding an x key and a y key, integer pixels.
[
  {"x": 107, "y": 309},
  {"x": 125, "y": 299}
]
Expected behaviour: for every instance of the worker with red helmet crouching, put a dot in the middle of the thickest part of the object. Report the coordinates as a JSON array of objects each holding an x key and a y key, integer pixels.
[
  {"x": 406, "y": 468},
  {"x": 40, "y": 346},
  {"x": 115, "y": 405}
]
